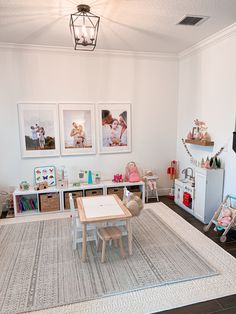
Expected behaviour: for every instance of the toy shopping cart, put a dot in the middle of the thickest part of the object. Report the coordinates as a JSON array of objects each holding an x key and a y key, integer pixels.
[{"x": 228, "y": 203}]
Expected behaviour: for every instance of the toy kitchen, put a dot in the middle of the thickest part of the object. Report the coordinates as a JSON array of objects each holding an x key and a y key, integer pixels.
[
  {"x": 200, "y": 192},
  {"x": 185, "y": 190}
]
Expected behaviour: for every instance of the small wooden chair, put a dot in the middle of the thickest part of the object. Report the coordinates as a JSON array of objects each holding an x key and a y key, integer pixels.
[
  {"x": 107, "y": 234},
  {"x": 76, "y": 226}
]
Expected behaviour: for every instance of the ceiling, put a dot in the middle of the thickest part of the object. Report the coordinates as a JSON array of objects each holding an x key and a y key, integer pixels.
[{"x": 128, "y": 25}]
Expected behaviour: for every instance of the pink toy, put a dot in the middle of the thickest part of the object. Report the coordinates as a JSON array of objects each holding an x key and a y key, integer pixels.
[
  {"x": 131, "y": 172},
  {"x": 117, "y": 178},
  {"x": 226, "y": 218}
]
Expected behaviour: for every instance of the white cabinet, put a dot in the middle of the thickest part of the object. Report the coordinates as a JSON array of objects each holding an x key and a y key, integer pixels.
[{"x": 208, "y": 192}]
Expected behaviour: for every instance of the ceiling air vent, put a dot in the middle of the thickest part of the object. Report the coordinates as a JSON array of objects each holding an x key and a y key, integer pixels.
[{"x": 192, "y": 20}]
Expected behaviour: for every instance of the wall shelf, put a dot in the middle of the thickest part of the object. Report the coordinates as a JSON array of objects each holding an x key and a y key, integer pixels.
[{"x": 199, "y": 142}]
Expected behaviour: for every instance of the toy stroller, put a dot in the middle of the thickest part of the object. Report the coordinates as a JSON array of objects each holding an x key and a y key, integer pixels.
[{"x": 226, "y": 204}]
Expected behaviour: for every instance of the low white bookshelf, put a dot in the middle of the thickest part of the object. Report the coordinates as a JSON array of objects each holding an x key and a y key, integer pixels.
[{"x": 33, "y": 202}]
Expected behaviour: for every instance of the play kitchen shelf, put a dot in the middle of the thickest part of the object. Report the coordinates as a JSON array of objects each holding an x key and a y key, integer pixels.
[
  {"x": 199, "y": 142},
  {"x": 33, "y": 202}
]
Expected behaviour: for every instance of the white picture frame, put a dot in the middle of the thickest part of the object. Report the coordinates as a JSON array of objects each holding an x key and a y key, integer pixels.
[
  {"x": 114, "y": 137},
  {"x": 77, "y": 128},
  {"x": 39, "y": 130}
]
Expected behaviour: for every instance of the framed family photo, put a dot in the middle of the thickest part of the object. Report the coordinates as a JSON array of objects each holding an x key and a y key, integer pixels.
[
  {"x": 39, "y": 129},
  {"x": 114, "y": 124},
  {"x": 77, "y": 129}
]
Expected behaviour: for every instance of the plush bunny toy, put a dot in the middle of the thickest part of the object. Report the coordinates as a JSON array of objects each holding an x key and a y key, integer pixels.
[{"x": 134, "y": 204}]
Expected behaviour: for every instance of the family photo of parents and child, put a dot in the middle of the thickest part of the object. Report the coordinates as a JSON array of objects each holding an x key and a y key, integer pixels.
[
  {"x": 77, "y": 126},
  {"x": 38, "y": 136},
  {"x": 38, "y": 125},
  {"x": 39, "y": 131},
  {"x": 77, "y": 129},
  {"x": 114, "y": 128},
  {"x": 78, "y": 135}
]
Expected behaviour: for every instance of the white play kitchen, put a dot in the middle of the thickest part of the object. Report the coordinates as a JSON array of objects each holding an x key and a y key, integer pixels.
[{"x": 200, "y": 192}]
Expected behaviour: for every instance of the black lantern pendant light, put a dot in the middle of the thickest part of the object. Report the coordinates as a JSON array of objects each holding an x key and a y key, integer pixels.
[{"x": 84, "y": 28}]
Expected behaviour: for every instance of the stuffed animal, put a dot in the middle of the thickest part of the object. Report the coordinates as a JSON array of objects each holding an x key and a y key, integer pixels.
[
  {"x": 226, "y": 218},
  {"x": 134, "y": 204},
  {"x": 131, "y": 172}
]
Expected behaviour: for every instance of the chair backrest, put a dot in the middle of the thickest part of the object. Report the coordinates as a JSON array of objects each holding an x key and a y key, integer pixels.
[
  {"x": 126, "y": 195},
  {"x": 71, "y": 201},
  {"x": 73, "y": 210}
]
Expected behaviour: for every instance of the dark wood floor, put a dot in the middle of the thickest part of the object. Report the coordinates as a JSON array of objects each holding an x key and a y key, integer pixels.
[{"x": 226, "y": 305}]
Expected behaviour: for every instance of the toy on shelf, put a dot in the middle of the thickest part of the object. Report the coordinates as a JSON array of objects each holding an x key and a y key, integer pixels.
[
  {"x": 199, "y": 135},
  {"x": 225, "y": 217},
  {"x": 131, "y": 172},
  {"x": 89, "y": 176},
  {"x": 117, "y": 178},
  {"x": 97, "y": 178},
  {"x": 24, "y": 186},
  {"x": 150, "y": 180},
  {"x": 62, "y": 181},
  {"x": 46, "y": 173},
  {"x": 172, "y": 172},
  {"x": 62, "y": 184},
  {"x": 41, "y": 186}
]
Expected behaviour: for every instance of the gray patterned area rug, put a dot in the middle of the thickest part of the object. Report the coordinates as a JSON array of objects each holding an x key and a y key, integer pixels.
[{"x": 39, "y": 269}]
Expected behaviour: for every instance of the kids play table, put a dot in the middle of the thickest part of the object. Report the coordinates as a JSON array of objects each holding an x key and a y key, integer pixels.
[{"x": 105, "y": 208}]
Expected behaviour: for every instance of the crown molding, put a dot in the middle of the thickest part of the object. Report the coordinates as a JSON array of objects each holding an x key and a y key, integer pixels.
[
  {"x": 97, "y": 52},
  {"x": 211, "y": 40}
]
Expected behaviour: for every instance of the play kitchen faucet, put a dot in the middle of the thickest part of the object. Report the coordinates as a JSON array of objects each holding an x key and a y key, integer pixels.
[{"x": 186, "y": 173}]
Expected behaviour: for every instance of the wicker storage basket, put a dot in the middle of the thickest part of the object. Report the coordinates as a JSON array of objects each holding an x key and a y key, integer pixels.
[
  {"x": 139, "y": 194},
  {"x": 75, "y": 194},
  {"x": 49, "y": 202},
  {"x": 119, "y": 191},
  {"x": 94, "y": 192}
]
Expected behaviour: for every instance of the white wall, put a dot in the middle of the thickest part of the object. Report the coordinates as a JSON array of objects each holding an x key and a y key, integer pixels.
[
  {"x": 207, "y": 90},
  {"x": 149, "y": 83}
]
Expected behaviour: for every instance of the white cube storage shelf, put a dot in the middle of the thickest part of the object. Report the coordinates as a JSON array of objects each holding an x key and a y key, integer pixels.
[{"x": 33, "y": 202}]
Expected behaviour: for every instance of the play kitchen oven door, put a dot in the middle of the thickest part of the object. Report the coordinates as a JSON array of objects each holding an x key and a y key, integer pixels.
[{"x": 188, "y": 198}]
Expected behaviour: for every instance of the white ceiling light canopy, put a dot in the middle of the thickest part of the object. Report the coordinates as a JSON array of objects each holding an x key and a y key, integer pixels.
[{"x": 84, "y": 28}]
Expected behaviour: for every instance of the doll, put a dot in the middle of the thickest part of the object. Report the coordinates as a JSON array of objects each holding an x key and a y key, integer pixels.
[
  {"x": 151, "y": 180},
  {"x": 226, "y": 218},
  {"x": 131, "y": 172}
]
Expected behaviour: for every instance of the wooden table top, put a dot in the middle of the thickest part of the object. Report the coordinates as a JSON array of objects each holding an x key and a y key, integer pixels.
[{"x": 101, "y": 208}]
